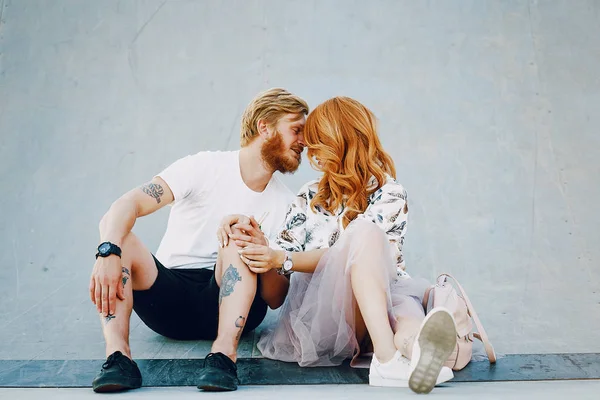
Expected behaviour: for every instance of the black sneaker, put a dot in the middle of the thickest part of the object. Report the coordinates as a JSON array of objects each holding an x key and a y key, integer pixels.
[
  {"x": 118, "y": 373},
  {"x": 219, "y": 373}
]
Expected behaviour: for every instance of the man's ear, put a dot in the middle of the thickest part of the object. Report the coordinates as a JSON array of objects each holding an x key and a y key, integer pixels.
[{"x": 263, "y": 128}]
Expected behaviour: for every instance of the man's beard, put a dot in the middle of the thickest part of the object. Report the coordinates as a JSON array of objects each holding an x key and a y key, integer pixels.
[{"x": 274, "y": 155}]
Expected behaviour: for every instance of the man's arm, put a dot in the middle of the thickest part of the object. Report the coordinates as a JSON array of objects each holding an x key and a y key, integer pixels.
[
  {"x": 141, "y": 201},
  {"x": 114, "y": 227}
]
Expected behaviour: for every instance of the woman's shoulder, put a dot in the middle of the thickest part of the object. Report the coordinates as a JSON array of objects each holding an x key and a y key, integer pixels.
[
  {"x": 391, "y": 188},
  {"x": 309, "y": 189}
]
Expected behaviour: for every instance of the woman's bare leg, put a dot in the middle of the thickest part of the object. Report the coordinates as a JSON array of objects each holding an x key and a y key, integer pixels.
[
  {"x": 406, "y": 331},
  {"x": 370, "y": 288}
]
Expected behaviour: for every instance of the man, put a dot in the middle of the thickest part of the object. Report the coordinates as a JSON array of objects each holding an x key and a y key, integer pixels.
[{"x": 197, "y": 287}]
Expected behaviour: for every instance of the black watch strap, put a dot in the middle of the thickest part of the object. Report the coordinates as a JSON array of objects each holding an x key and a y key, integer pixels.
[{"x": 105, "y": 249}]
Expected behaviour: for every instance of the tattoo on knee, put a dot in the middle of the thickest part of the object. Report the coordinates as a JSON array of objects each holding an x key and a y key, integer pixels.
[
  {"x": 240, "y": 323},
  {"x": 125, "y": 276},
  {"x": 230, "y": 278},
  {"x": 108, "y": 318}
]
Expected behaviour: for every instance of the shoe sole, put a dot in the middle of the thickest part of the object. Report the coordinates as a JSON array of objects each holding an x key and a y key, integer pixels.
[
  {"x": 210, "y": 384},
  {"x": 437, "y": 340},
  {"x": 386, "y": 382},
  {"x": 114, "y": 387},
  {"x": 403, "y": 383},
  {"x": 216, "y": 388}
]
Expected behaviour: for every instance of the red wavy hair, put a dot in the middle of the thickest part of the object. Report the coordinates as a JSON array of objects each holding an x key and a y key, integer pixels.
[{"x": 341, "y": 136}]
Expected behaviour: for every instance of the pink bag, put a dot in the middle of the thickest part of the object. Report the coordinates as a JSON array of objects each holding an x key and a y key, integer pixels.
[{"x": 444, "y": 294}]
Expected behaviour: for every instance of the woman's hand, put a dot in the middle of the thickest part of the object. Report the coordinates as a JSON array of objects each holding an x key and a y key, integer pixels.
[
  {"x": 242, "y": 229},
  {"x": 261, "y": 258}
]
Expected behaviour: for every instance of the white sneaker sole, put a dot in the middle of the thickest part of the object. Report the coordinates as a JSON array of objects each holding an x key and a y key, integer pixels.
[
  {"x": 437, "y": 340},
  {"x": 403, "y": 383},
  {"x": 386, "y": 382}
]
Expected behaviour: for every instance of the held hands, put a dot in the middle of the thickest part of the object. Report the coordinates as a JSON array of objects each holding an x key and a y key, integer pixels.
[
  {"x": 254, "y": 247},
  {"x": 242, "y": 230},
  {"x": 105, "y": 284}
]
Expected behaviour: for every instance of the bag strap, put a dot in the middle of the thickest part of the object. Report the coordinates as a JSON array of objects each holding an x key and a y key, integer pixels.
[{"x": 482, "y": 335}]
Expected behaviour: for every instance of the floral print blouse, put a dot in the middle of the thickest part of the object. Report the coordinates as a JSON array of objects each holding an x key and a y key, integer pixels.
[{"x": 305, "y": 230}]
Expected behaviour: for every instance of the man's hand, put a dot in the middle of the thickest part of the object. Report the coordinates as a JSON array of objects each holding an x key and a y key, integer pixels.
[
  {"x": 261, "y": 258},
  {"x": 105, "y": 284},
  {"x": 241, "y": 229}
]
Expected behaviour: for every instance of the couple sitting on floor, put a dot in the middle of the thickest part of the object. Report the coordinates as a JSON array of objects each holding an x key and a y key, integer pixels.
[{"x": 331, "y": 257}]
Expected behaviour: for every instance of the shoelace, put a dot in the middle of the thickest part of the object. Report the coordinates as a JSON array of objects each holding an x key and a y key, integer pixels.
[
  {"x": 110, "y": 361},
  {"x": 213, "y": 360}
]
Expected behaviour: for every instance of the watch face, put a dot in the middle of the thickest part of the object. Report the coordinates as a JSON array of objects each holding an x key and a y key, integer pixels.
[
  {"x": 287, "y": 265},
  {"x": 104, "y": 248}
]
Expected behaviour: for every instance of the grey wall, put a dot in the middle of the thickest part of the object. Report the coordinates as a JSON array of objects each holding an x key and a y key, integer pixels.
[{"x": 491, "y": 110}]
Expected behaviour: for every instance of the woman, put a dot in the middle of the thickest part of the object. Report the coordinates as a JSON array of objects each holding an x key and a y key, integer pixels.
[{"x": 343, "y": 238}]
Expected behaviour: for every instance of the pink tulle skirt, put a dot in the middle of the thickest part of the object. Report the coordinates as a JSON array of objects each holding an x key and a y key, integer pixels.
[{"x": 316, "y": 325}]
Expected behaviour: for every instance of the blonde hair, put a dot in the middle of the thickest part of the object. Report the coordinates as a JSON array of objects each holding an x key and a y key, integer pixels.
[
  {"x": 342, "y": 134},
  {"x": 270, "y": 106}
]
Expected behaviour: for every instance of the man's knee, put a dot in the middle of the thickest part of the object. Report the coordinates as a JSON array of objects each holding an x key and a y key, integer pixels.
[
  {"x": 229, "y": 257},
  {"x": 138, "y": 261}
]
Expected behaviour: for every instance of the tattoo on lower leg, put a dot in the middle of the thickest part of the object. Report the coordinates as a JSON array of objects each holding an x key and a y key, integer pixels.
[
  {"x": 240, "y": 323},
  {"x": 230, "y": 278},
  {"x": 108, "y": 318},
  {"x": 125, "y": 276}
]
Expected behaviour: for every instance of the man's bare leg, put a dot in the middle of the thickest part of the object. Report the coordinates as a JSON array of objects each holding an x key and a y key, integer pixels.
[
  {"x": 138, "y": 272},
  {"x": 238, "y": 287},
  {"x": 237, "y": 290}
]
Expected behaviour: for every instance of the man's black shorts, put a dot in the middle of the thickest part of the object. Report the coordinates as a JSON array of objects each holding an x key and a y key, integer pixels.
[{"x": 183, "y": 304}]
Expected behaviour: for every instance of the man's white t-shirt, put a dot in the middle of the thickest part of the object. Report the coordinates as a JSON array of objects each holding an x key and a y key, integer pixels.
[{"x": 207, "y": 186}]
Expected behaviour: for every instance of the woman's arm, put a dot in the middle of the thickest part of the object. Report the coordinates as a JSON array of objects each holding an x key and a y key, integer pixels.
[
  {"x": 263, "y": 259},
  {"x": 265, "y": 262},
  {"x": 307, "y": 261}
]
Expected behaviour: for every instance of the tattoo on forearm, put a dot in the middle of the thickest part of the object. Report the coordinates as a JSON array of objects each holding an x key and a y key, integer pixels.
[
  {"x": 125, "y": 276},
  {"x": 240, "y": 323},
  {"x": 153, "y": 190},
  {"x": 230, "y": 278},
  {"x": 108, "y": 318}
]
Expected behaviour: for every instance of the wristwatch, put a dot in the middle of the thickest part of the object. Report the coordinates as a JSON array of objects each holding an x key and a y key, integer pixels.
[
  {"x": 107, "y": 248},
  {"x": 288, "y": 264}
]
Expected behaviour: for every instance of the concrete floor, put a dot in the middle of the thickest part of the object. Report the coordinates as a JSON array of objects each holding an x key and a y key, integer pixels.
[
  {"x": 490, "y": 109},
  {"x": 580, "y": 390}
]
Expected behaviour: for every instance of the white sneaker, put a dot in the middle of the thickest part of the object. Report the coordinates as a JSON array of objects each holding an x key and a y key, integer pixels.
[
  {"x": 433, "y": 345},
  {"x": 395, "y": 373}
]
